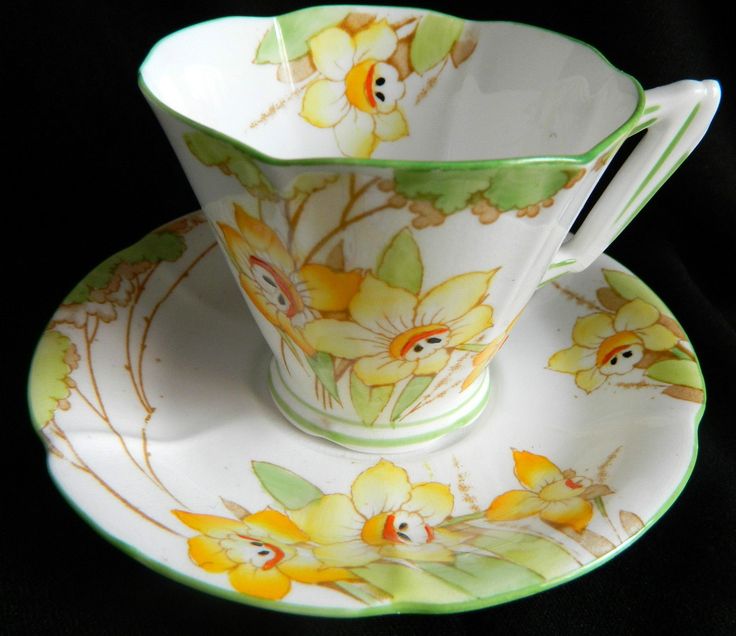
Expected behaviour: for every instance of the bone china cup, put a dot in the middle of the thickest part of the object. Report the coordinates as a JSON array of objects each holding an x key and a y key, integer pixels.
[{"x": 391, "y": 185}]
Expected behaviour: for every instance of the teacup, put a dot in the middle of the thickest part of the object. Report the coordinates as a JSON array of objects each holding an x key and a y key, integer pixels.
[{"x": 390, "y": 186}]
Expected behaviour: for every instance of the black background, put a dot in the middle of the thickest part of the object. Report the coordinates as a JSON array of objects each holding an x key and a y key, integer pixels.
[{"x": 90, "y": 172}]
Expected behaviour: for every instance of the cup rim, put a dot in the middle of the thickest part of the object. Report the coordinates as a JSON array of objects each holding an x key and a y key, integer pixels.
[{"x": 620, "y": 133}]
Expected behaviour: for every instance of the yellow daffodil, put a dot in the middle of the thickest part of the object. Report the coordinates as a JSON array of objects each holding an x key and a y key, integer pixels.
[
  {"x": 359, "y": 91},
  {"x": 285, "y": 296},
  {"x": 559, "y": 497},
  {"x": 607, "y": 344},
  {"x": 258, "y": 553},
  {"x": 385, "y": 517},
  {"x": 482, "y": 359},
  {"x": 395, "y": 334}
]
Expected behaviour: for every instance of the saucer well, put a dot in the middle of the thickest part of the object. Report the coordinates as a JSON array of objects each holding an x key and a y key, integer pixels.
[{"x": 150, "y": 390}]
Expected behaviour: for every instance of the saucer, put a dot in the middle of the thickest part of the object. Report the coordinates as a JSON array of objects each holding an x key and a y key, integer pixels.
[{"x": 150, "y": 390}]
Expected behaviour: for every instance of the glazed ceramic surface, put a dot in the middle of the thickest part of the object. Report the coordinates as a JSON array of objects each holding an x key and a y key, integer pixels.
[
  {"x": 161, "y": 434},
  {"x": 390, "y": 186}
]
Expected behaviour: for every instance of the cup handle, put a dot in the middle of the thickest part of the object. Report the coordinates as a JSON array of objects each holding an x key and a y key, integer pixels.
[{"x": 676, "y": 118}]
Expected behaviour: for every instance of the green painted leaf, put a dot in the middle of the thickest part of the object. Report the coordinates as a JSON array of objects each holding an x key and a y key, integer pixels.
[
  {"x": 471, "y": 346},
  {"x": 286, "y": 487},
  {"x": 323, "y": 368},
  {"x": 449, "y": 190},
  {"x": 368, "y": 401},
  {"x": 53, "y": 362},
  {"x": 408, "y": 585},
  {"x": 291, "y": 32},
  {"x": 533, "y": 552},
  {"x": 414, "y": 388},
  {"x": 483, "y": 576},
  {"x": 308, "y": 183},
  {"x": 400, "y": 265},
  {"x": 156, "y": 247},
  {"x": 629, "y": 287},
  {"x": 681, "y": 372},
  {"x": 433, "y": 40},
  {"x": 515, "y": 188}
]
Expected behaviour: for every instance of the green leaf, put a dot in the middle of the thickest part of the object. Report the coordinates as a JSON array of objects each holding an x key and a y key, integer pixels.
[
  {"x": 400, "y": 265},
  {"x": 483, "y": 576},
  {"x": 408, "y": 585},
  {"x": 630, "y": 287},
  {"x": 156, "y": 247},
  {"x": 290, "y": 33},
  {"x": 433, "y": 40},
  {"x": 53, "y": 362},
  {"x": 681, "y": 372},
  {"x": 518, "y": 187},
  {"x": 541, "y": 555},
  {"x": 323, "y": 368},
  {"x": 449, "y": 190},
  {"x": 414, "y": 388},
  {"x": 309, "y": 183},
  {"x": 368, "y": 401},
  {"x": 471, "y": 346},
  {"x": 286, "y": 487}
]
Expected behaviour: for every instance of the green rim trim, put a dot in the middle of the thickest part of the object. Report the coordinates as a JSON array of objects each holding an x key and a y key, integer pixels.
[
  {"x": 341, "y": 438},
  {"x": 403, "y": 164},
  {"x": 642, "y": 126},
  {"x": 358, "y": 424},
  {"x": 565, "y": 263},
  {"x": 651, "y": 109}
]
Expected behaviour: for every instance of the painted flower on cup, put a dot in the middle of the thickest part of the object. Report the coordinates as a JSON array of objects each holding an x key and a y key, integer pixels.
[
  {"x": 612, "y": 344},
  {"x": 395, "y": 334},
  {"x": 482, "y": 359},
  {"x": 386, "y": 516},
  {"x": 359, "y": 92},
  {"x": 558, "y": 497},
  {"x": 286, "y": 296},
  {"x": 259, "y": 553}
]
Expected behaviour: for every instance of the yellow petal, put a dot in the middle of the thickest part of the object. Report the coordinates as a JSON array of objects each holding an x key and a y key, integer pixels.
[
  {"x": 377, "y": 42},
  {"x": 657, "y": 338},
  {"x": 575, "y": 513},
  {"x": 329, "y": 519},
  {"x": 270, "y": 584},
  {"x": 238, "y": 250},
  {"x": 342, "y": 338},
  {"x": 635, "y": 315},
  {"x": 565, "y": 488},
  {"x": 432, "y": 500},
  {"x": 391, "y": 126},
  {"x": 208, "y": 554},
  {"x": 324, "y": 103},
  {"x": 454, "y": 298},
  {"x": 329, "y": 290},
  {"x": 535, "y": 471},
  {"x": 275, "y": 525},
  {"x": 590, "y": 331},
  {"x": 382, "y": 369},
  {"x": 473, "y": 376},
  {"x": 211, "y": 525},
  {"x": 589, "y": 379},
  {"x": 427, "y": 552},
  {"x": 572, "y": 360},
  {"x": 305, "y": 568},
  {"x": 380, "y": 488},
  {"x": 264, "y": 240},
  {"x": 332, "y": 52},
  {"x": 354, "y": 134},
  {"x": 433, "y": 363},
  {"x": 450, "y": 537},
  {"x": 255, "y": 295},
  {"x": 382, "y": 308},
  {"x": 349, "y": 554},
  {"x": 514, "y": 504},
  {"x": 296, "y": 335},
  {"x": 465, "y": 328}
]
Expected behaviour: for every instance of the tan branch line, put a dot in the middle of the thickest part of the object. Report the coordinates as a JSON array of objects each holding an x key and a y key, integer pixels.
[
  {"x": 147, "y": 459},
  {"x": 276, "y": 106},
  {"x": 579, "y": 299}
]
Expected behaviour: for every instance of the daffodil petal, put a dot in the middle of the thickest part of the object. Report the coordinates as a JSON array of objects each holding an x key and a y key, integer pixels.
[
  {"x": 454, "y": 298},
  {"x": 382, "y": 369},
  {"x": 211, "y": 525},
  {"x": 305, "y": 568},
  {"x": 354, "y": 134},
  {"x": 259, "y": 300},
  {"x": 432, "y": 501},
  {"x": 276, "y": 525},
  {"x": 329, "y": 519},
  {"x": 465, "y": 328},
  {"x": 450, "y": 537},
  {"x": 271, "y": 584},
  {"x": 263, "y": 240},
  {"x": 535, "y": 471},
  {"x": 327, "y": 289},
  {"x": 343, "y": 338},
  {"x": 657, "y": 338},
  {"x": 566, "y": 488},
  {"x": 589, "y": 379},
  {"x": 433, "y": 363},
  {"x": 575, "y": 513},
  {"x": 514, "y": 504},
  {"x": 391, "y": 126},
  {"x": 427, "y": 552},
  {"x": 382, "y": 308},
  {"x": 208, "y": 554},
  {"x": 238, "y": 250},
  {"x": 332, "y": 52},
  {"x": 349, "y": 554},
  {"x": 590, "y": 331},
  {"x": 324, "y": 103},
  {"x": 377, "y": 42},
  {"x": 294, "y": 333},
  {"x": 572, "y": 360},
  {"x": 635, "y": 315},
  {"x": 381, "y": 488}
]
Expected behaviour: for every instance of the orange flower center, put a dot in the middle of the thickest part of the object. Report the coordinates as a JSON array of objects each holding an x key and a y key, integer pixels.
[
  {"x": 615, "y": 344},
  {"x": 419, "y": 342},
  {"x": 359, "y": 86},
  {"x": 276, "y": 287}
]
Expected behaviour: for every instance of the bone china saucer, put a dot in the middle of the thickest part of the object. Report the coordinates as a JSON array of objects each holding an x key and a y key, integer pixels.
[{"x": 150, "y": 388}]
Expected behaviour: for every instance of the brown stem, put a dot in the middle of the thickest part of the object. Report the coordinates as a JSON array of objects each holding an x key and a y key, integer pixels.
[
  {"x": 580, "y": 300},
  {"x": 128, "y": 360},
  {"x": 147, "y": 459}
]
